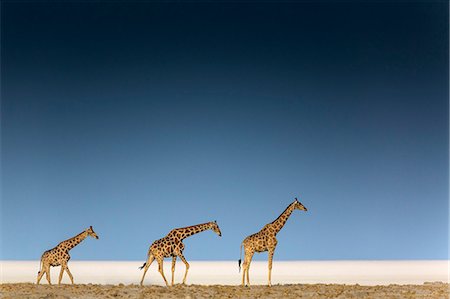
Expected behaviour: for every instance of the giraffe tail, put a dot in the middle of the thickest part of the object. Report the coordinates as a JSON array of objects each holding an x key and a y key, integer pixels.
[
  {"x": 148, "y": 256},
  {"x": 240, "y": 258},
  {"x": 40, "y": 267}
]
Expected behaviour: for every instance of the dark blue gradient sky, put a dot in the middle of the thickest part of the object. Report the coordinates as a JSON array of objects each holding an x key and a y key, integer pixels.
[{"x": 138, "y": 118}]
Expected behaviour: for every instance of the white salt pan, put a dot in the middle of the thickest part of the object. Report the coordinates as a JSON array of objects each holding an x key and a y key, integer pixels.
[{"x": 226, "y": 273}]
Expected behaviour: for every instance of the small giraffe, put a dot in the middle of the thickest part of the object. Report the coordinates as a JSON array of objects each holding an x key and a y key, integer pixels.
[
  {"x": 172, "y": 246},
  {"x": 59, "y": 256},
  {"x": 265, "y": 240}
]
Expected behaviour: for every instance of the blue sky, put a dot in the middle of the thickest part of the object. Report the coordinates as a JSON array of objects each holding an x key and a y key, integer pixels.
[{"x": 139, "y": 118}]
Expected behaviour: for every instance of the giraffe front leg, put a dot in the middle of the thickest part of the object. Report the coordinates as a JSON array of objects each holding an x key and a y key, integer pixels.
[
  {"x": 187, "y": 267},
  {"x": 174, "y": 260},
  {"x": 61, "y": 274},
  {"x": 271, "y": 252},
  {"x": 161, "y": 270},
  {"x": 68, "y": 273},
  {"x": 150, "y": 260}
]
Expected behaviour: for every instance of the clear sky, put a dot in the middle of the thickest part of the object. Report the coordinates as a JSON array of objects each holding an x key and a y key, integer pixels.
[{"x": 139, "y": 118}]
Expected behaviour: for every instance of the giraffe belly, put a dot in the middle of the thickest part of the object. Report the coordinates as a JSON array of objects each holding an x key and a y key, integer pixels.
[
  {"x": 260, "y": 248},
  {"x": 53, "y": 261},
  {"x": 55, "y": 257}
]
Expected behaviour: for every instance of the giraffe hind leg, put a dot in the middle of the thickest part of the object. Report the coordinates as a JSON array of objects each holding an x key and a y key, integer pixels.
[
  {"x": 244, "y": 269},
  {"x": 246, "y": 265},
  {"x": 47, "y": 274},
  {"x": 248, "y": 275},
  {"x": 248, "y": 258},
  {"x": 271, "y": 252},
  {"x": 40, "y": 274},
  {"x": 161, "y": 270},
  {"x": 150, "y": 260}
]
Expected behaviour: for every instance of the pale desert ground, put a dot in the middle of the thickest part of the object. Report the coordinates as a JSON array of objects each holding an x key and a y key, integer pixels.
[
  {"x": 28, "y": 290},
  {"x": 295, "y": 279}
]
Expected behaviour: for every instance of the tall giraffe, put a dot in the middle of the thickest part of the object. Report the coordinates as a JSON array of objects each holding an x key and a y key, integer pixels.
[
  {"x": 172, "y": 246},
  {"x": 265, "y": 240},
  {"x": 59, "y": 255}
]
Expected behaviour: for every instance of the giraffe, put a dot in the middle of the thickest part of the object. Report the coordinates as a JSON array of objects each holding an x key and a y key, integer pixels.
[
  {"x": 172, "y": 246},
  {"x": 59, "y": 255},
  {"x": 265, "y": 240}
]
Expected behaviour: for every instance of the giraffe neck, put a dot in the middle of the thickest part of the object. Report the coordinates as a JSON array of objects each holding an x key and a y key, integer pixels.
[
  {"x": 278, "y": 223},
  {"x": 72, "y": 242},
  {"x": 195, "y": 229}
]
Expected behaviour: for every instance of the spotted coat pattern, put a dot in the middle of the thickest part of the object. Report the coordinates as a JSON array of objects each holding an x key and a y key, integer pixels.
[
  {"x": 59, "y": 256},
  {"x": 265, "y": 240},
  {"x": 172, "y": 246}
]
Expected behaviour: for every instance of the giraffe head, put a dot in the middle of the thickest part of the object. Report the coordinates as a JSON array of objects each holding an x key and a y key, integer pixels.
[
  {"x": 91, "y": 232},
  {"x": 215, "y": 228},
  {"x": 299, "y": 206}
]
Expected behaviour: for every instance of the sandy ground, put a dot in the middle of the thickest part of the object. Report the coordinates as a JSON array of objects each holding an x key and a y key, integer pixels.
[{"x": 29, "y": 290}]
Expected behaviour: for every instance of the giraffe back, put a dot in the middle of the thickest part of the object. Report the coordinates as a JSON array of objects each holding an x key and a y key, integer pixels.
[
  {"x": 166, "y": 247},
  {"x": 55, "y": 256}
]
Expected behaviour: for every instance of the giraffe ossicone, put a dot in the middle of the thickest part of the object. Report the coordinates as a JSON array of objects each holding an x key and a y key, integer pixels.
[
  {"x": 265, "y": 240},
  {"x": 172, "y": 246},
  {"x": 59, "y": 256}
]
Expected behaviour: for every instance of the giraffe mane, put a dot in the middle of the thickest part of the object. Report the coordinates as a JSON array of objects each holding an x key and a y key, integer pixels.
[
  {"x": 192, "y": 226},
  {"x": 282, "y": 213}
]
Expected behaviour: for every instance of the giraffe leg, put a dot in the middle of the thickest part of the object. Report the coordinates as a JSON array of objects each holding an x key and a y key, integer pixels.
[
  {"x": 187, "y": 267},
  {"x": 61, "y": 273},
  {"x": 244, "y": 269},
  {"x": 68, "y": 273},
  {"x": 161, "y": 270},
  {"x": 47, "y": 274},
  {"x": 271, "y": 252},
  {"x": 246, "y": 265},
  {"x": 174, "y": 259},
  {"x": 40, "y": 274},
  {"x": 150, "y": 260},
  {"x": 250, "y": 256}
]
